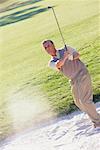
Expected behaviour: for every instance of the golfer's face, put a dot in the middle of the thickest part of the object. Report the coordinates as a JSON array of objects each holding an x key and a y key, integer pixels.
[{"x": 50, "y": 48}]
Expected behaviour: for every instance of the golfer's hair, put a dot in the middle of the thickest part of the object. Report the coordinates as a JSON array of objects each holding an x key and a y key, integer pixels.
[{"x": 47, "y": 41}]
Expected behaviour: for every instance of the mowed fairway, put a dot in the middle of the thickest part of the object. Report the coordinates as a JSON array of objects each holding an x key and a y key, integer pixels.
[{"x": 28, "y": 87}]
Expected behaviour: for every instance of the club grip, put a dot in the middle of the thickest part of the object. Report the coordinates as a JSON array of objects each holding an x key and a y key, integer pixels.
[{"x": 65, "y": 47}]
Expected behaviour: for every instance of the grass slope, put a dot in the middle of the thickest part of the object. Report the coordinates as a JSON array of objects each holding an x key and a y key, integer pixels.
[{"x": 23, "y": 63}]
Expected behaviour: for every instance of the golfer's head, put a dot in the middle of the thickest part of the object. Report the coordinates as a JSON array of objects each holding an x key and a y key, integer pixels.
[{"x": 49, "y": 47}]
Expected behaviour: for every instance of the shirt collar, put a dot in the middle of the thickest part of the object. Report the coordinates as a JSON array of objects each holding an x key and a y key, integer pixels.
[{"x": 57, "y": 54}]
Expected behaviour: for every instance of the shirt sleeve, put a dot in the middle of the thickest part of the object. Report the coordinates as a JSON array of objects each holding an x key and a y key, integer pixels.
[
  {"x": 72, "y": 50},
  {"x": 52, "y": 63}
]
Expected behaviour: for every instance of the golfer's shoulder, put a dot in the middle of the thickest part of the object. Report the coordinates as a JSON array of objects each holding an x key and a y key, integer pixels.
[
  {"x": 71, "y": 49},
  {"x": 59, "y": 53},
  {"x": 52, "y": 62},
  {"x": 58, "y": 50}
]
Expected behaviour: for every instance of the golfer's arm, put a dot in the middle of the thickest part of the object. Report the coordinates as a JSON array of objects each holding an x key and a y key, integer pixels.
[
  {"x": 60, "y": 63},
  {"x": 76, "y": 56}
]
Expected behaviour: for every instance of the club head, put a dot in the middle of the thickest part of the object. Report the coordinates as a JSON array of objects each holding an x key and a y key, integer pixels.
[{"x": 49, "y": 7}]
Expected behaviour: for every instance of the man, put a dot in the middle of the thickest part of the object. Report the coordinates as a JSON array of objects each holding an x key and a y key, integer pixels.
[{"x": 67, "y": 61}]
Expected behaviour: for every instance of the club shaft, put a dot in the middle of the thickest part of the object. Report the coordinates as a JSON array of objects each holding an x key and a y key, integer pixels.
[{"x": 58, "y": 26}]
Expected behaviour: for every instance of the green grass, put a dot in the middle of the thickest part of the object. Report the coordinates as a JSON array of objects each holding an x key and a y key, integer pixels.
[{"x": 23, "y": 62}]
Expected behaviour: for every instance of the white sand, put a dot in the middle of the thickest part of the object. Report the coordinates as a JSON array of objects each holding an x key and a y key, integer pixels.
[{"x": 73, "y": 132}]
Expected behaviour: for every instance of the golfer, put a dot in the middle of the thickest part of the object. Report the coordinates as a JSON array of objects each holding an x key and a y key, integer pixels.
[{"x": 68, "y": 62}]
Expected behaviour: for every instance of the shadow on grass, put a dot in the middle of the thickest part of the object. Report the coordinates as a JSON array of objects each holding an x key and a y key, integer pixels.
[
  {"x": 96, "y": 98},
  {"x": 16, "y": 4},
  {"x": 21, "y": 15}
]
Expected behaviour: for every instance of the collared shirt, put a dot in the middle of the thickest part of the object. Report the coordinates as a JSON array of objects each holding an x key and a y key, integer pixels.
[{"x": 71, "y": 67}]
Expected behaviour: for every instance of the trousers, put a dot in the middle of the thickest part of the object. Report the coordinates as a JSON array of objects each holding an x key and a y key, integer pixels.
[{"x": 81, "y": 87}]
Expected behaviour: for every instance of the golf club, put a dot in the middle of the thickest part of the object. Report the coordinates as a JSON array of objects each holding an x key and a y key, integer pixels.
[{"x": 49, "y": 7}]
